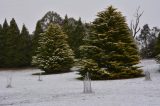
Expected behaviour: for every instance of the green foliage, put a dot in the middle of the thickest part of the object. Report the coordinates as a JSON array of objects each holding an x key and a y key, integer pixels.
[
  {"x": 24, "y": 47},
  {"x": 35, "y": 37},
  {"x": 111, "y": 46},
  {"x": 157, "y": 58},
  {"x": 147, "y": 40},
  {"x": 1, "y": 45},
  {"x": 91, "y": 66},
  {"x": 3, "y": 35},
  {"x": 15, "y": 46},
  {"x": 76, "y": 31},
  {"x": 11, "y": 44},
  {"x": 157, "y": 46},
  {"x": 53, "y": 53}
]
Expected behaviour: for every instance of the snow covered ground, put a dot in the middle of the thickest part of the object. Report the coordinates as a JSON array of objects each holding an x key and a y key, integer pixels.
[{"x": 65, "y": 90}]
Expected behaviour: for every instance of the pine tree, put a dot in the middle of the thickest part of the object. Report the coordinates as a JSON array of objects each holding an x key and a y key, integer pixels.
[
  {"x": 110, "y": 47},
  {"x": 157, "y": 45},
  {"x": 12, "y": 38},
  {"x": 53, "y": 54},
  {"x": 69, "y": 25},
  {"x": 3, "y": 43},
  {"x": 78, "y": 34},
  {"x": 24, "y": 47},
  {"x": 1, "y": 46},
  {"x": 36, "y": 35},
  {"x": 76, "y": 31}
]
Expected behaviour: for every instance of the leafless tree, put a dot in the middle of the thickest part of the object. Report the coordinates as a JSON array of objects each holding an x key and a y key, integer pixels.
[{"x": 134, "y": 26}]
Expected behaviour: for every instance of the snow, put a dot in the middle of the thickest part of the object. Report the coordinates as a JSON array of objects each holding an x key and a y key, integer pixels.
[{"x": 66, "y": 90}]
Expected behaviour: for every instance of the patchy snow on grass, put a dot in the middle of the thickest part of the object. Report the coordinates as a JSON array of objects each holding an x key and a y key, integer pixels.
[{"x": 65, "y": 90}]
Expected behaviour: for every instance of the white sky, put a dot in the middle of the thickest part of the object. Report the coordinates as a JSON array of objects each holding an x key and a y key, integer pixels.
[{"x": 29, "y": 11}]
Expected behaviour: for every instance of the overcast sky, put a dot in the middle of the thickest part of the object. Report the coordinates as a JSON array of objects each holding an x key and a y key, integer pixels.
[{"x": 29, "y": 11}]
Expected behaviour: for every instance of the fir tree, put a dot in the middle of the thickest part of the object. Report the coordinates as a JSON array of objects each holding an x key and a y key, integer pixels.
[
  {"x": 36, "y": 35},
  {"x": 76, "y": 31},
  {"x": 12, "y": 54},
  {"x": 24, "y": 47},
  {"x": 3, "y": 43},
  {"x": 1, "y": 46},
  {"x": 5, "y": 27},
  {"x": 110, "y": 47},
  {"x": 78, "y": 34},
  {"x": 157, "y": 45},
  {"x": 53, "y": 54}
]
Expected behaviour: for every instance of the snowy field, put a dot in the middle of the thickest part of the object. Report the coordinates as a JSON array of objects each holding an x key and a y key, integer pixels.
[{"x": 65, "y": 90}]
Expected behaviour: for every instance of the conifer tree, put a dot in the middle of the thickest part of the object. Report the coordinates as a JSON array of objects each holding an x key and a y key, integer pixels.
[
  {"x": 36, "y": 35},
  {"x": 12, "y": 54},
  {"x": 157, "y": 45},
  {"x": 78, "y": 34},
  {"x": 4, "y": 43},
  {"x": 110, "y": 48},
  {"x": 24, "y": 47},
  {"x": 76, "y": 31},
  {"x": 53, "y": 54},
  {"x": 1, "y": 46}
]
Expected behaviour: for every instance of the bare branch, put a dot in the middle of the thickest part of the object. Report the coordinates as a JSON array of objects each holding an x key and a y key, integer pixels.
[{"x": 135, "y": 26}]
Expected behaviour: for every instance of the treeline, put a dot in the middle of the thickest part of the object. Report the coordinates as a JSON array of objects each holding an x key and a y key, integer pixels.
[
  {"x": 149, "y": 41},
  {"x": 15, "y": 45},
  {"x": 18, "y": 46}
]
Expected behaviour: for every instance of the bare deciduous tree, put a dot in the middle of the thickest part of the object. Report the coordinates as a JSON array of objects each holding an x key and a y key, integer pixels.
[{"x": 134, "y": 26}]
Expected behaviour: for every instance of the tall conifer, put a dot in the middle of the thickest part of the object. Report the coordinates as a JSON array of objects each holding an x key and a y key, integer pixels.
[
  {"x": 110, "y": 48},
  {"x": 12, "y": 54},
  {"x": 24, "y": 47},
  {"x": 36, "y": 35}
]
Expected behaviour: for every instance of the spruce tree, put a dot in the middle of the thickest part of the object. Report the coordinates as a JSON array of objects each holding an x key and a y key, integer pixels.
[
  {"x": 76, "y": 31},
  {"x": 24, "y": 47},
  {"x": 69, "y": 25},
  {"x": 78, "y": 34},
  {"x": 12, "y": 54},
  {"x": 53, "y": 55},
  {"x": 157, "y": 45},
  {"x": 4, "y": 43},
  {"x": 1, "y": 46},
  {"x": 36, "y": 35},
  {"x": 110, "y": 48}
]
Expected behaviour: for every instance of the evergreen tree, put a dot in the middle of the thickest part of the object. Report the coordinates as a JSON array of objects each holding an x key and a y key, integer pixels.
[
  {"x": 53, "y": 54},
  {"x": 3, "y": 43},
  {"x": 24, "y": 47},
  {"x": 36, "y": 35},
  {"x": 76, "y": 31},
  {"x": 69, "y": 25},
  {"x": 147, "y": 39},
  {"x": 12, "y": 38},
  {"x": 110, "y": 51},
  {"x": 157, "y": 45},
  {"x": 78, "y": 34},
  {"x": 5, "y": 26},
  {"x": 143, "y": 38},
  {"x": 1, "y": 46}
]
